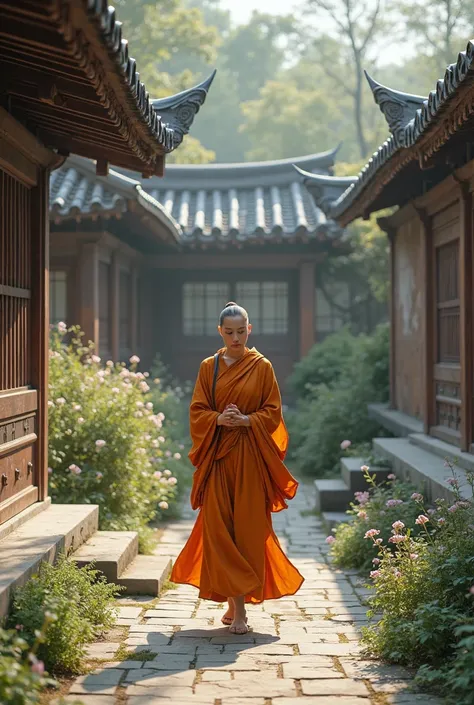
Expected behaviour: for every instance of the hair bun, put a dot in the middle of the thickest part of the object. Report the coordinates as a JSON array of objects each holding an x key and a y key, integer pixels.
[{"x": 230, "y": 303}]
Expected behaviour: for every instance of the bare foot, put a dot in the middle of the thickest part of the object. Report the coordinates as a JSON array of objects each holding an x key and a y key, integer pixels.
[
  {"x": 228, "y": 618},
  {"x": 239, "y": 623}
]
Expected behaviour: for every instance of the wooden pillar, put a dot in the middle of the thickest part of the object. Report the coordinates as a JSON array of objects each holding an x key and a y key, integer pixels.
[
  {"x": 307, "y": 307},
  {"x": 134, "y": 310},
  {"x": 393, "y": 322},
  {"x": 429, "y": 351},
  {"x": 115, "y": 307},
  {"x": 466, "y": 313},
  {"x": 40, "y": 323},
  {"x": 384, "y": 224},
  {"x": 89, "y": 293}
]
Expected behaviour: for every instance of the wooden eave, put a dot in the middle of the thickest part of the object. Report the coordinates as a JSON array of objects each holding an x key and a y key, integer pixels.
[{"x": 68, "y": 78}]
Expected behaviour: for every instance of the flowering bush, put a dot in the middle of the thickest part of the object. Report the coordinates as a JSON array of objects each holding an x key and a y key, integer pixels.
[
  {"x": 423, "y": 579},
  {"x": 22, "y": 674},
  {"x": 108, "y": 441},
  {"x": 71, "y": 605},
  {"x": 379, "y": 507},
  {"x": 333, "y": 394}
]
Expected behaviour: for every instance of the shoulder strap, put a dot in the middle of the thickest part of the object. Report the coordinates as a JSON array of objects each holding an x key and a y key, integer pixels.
[{"x": 214, "y": 380}]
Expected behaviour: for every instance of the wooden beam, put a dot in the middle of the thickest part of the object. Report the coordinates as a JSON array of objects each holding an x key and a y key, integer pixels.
[
  {"x": 89, "y": 293},
  {"x": 102, "y": 167},
  {"x": 40, "y": 324},
  {"x": 307, "y": 310},
  {"x": 233, "y": 260},
  {"x": 466, "y": 313},
  {"x": 428, "y": 326}
]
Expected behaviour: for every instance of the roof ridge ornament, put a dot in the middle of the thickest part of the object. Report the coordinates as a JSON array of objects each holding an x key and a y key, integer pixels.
[
  {"x": 398, "y": 108},
  {"x": 177, "y": 112},
  {"x": 325, "y": 190}
]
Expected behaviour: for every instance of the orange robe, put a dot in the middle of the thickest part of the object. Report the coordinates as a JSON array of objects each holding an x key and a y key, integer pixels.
[{"x": 240, "y": 479}]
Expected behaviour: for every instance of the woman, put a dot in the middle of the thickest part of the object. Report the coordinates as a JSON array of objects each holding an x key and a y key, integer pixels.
[{"x": 239, "y": 443}]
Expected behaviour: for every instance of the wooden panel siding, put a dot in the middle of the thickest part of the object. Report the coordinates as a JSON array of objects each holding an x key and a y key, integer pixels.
[{"x": 408, "y": 302}]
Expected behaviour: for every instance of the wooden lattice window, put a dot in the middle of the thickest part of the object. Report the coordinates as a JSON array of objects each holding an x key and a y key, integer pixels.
[
  {"x": 15, "y": 283},
  {"x": 202, "y": 305},
  {"x": 447, "y": 302},
  {"x": 266, "y": 304},
  {"x": 105, "y": 339}
]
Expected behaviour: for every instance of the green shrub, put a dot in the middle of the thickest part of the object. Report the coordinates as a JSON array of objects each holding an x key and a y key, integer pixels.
[
  {"x": 22, "y": 674},
  {"x": 423, "y": 581},
  {"x": 324, "y": 364},
  {"x": 337, "y": 410},
  {"x": 108, "y": 440},
  {"x": 82, "y": 605}
]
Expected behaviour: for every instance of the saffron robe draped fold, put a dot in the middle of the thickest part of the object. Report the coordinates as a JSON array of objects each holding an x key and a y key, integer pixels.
[{"x": 240, "y": 478}]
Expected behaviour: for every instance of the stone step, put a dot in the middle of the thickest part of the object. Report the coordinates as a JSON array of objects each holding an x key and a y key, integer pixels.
[
  {"x": 443, "y": 450},
  {"x": 426, "y": 470},
  {"x": 354, "y": 477},
  {"x": 146, "y": 575},
  {"x": 396, "y": 422},
  {"x": 110, "y": 551},
  {"x": 333, "y": 519},
  {"x": 332, "y": 495},
  {"x": 41, "y": 538}
]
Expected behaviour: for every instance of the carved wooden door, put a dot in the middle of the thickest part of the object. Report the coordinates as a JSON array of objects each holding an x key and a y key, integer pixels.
[{"x": 23, "y": 345}]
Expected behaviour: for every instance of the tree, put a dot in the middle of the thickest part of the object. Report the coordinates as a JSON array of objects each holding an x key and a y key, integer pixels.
[
  {"x": 254, "y": 52},
  {"x": 358, "y": 26},
  {"x": 160, "y": 31},
  {"x": 436, "y": 26},
  {"x": 286, "y": 121}
]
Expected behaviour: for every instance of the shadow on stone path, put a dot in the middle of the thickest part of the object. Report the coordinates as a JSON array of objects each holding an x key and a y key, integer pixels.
[{"x": 302, "y": 650}]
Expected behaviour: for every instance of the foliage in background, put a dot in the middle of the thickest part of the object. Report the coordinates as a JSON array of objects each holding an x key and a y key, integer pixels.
[
  {"x": 108, "y": 440},
  {"x": 333, "y": 394},
  {"x": 22, "y": 674},
  {"x": 74, "y": 605},
  {"x": 423, "y": 580}
]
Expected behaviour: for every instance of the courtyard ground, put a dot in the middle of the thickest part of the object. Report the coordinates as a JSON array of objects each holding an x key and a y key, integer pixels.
[{"x": 302, "y": 650}]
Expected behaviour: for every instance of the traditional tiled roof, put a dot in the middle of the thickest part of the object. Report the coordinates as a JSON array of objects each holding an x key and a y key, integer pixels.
[
  {"x": 70, "y": 76},
  {"x": 251, "y": 202},
  {"x": 410, "y": 118},
  {"x": 77, "y": 193}
]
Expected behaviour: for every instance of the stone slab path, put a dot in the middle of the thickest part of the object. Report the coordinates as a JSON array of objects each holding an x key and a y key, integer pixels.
[{"x": 302, "y": 650}]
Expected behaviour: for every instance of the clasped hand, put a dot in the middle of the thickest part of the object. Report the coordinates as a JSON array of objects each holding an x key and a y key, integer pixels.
[{"x": 232, "y": 416}]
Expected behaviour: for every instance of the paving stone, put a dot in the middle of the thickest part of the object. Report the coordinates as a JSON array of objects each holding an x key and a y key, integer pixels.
[
  {"x": 214, "y": 676},
  {"x": 150, "y": 677},
  {"x": 130, "y": 612},
  {"x": 334, "y": 686},
  {"x": 102, "y": 649},
  {"x": 291, "y": 670},
  {"x": 374, "y": 670},
  {"x": 170, "y": 662},
  {"x": 263, "y": 687},
  {"x": 329, "y": 649},
  {"x": 101, "y": 676},
  {"x": 88, "y": 688},
  {"x": 177, "y": 694},
  {"x": 324, "y": 700},
  {"x": 85, "y": 700},
  {"x": 391, "y": 686}
]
